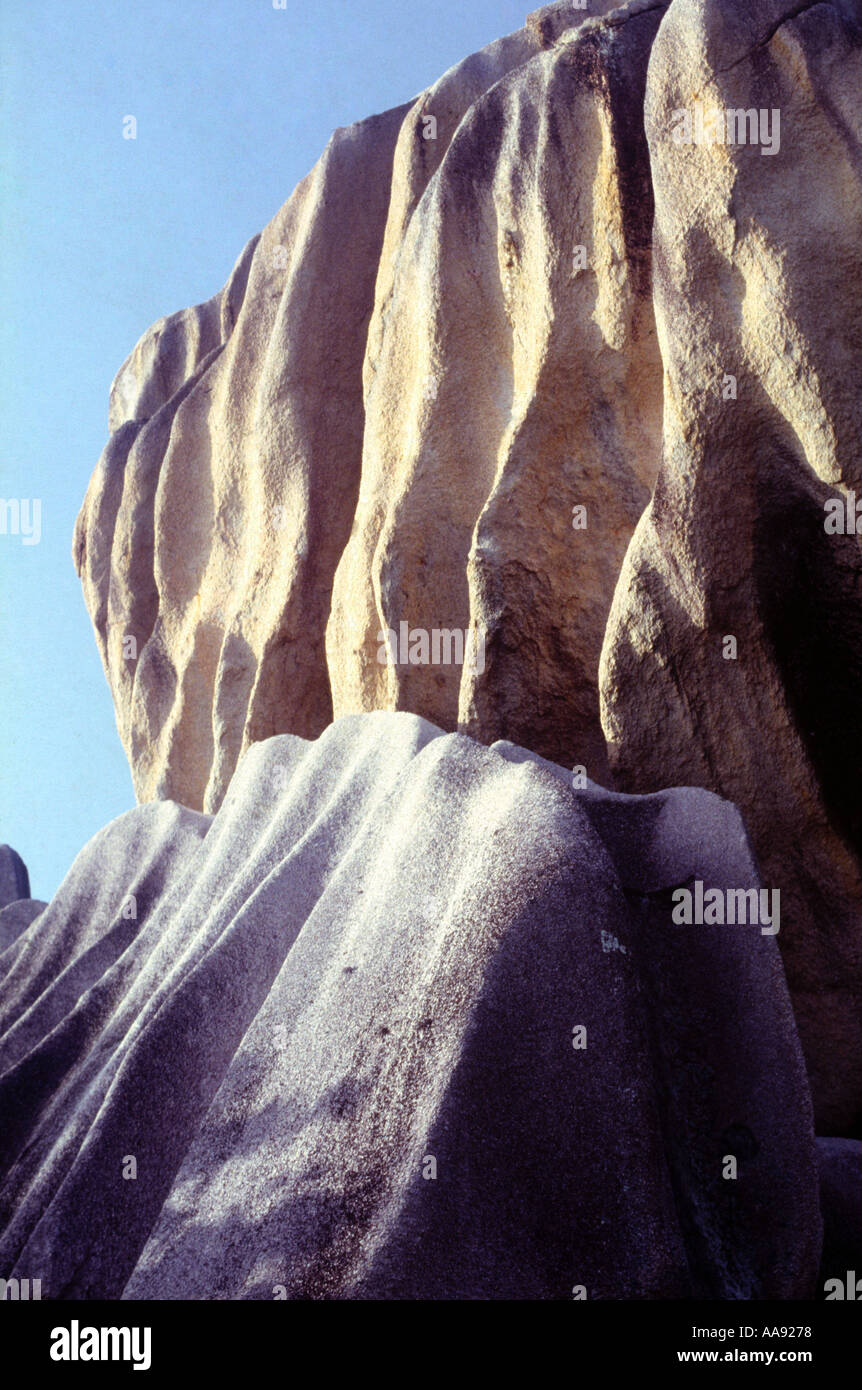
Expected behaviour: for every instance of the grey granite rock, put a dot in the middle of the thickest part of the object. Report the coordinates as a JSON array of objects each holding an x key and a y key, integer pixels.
[
  {"x": 16, "y": 918},
  {"x": 14, "y": 879},
  {"x": 335, "y": 1043}
]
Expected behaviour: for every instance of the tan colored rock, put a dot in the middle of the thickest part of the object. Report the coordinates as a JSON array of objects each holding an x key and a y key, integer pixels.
[
  {"x": 504, "y": 386},
  {"x": 511, "y": 378},
  {"x": 758, "y": 270},
  {"x": 216, "y": 517},
  {"x": 170, "y": 353}
]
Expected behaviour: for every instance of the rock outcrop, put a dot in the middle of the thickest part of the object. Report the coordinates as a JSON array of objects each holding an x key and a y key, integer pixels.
[
  {"x": 603, "y": 275},
  {"x": 512, "y": 376},
  {"x": 214, "y": 522},
  {"x": 407, "y": 1019},
  {"x": 17, "y": 908},
  {"x": 14, "y": 879},
  {"x": 733, "y": 657},
  {"x": 441, "y": 346},
  {"x": 16, "y": 918}
]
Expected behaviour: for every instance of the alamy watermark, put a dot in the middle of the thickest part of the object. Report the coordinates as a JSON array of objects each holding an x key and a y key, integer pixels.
[
  {"x": 843, "y": 515},
  {"x": 731, "y": 126},
  {"x": 20, "y": 1290},
  {"x": 716, "y": 907},
  {"x": 76, "y": 1343},
  {"x": 21, "y": 518},
  {"x": 849, "y": 1288},
  {"x": 441, "y": 647}
]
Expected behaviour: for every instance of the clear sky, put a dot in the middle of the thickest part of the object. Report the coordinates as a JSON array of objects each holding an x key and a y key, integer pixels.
[{"x": 234, "y": 102}]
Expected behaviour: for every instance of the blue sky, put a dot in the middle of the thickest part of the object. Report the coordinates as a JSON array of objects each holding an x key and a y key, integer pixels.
[{"x": 234, "y": 102}]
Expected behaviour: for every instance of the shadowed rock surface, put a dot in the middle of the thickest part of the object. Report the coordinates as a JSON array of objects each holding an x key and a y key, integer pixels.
[
  {"x": 16, "y": 917},
  {"x": 377, "y": 954},
  {"x": 17, "y": 908},
  {"x": 841, "y": 1201},
  {"x": 14, "y": 879},
  {"x": 757, "y": 273}
]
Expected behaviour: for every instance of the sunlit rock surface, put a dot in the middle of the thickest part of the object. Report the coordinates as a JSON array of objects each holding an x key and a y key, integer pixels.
[{"x": 439, "y": 348}]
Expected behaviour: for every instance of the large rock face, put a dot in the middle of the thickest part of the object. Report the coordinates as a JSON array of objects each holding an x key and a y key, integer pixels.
[
  {"x": 758, "y": 272},
  {"x": 434, "y": 398},
  {"x": 213, "y": 524},
  {"x": 492, "y": 283},
  {"x": 329, "y": 1044},
  {"x": 512, "y": 375}
]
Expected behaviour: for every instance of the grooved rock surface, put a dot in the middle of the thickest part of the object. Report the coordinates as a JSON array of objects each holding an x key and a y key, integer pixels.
[
  {"x": 15, "y": 918},
  {"x": 418, "y": 405},
  {"x": 757, "y": 268},
  {"x": 506, "y": 384},
  {"x": 450, "y": 418},
  {"x": 214, "y": 522},
  {"x": 376, "y": 956}
]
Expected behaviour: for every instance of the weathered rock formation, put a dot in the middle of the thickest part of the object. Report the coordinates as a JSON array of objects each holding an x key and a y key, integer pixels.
[
  {"x": 758, "y": 294},
  {"x": 14, "y": 879},
  {"x": 328, "y": 1044},
  {"x": 17, "y": 908},
  {"x": 512, "y": 375},
  {"x": 491, "y": 284},
  {"x": 436, "y": 395}
]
